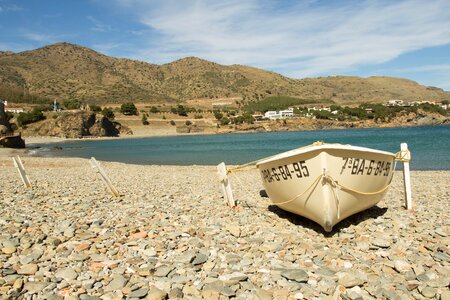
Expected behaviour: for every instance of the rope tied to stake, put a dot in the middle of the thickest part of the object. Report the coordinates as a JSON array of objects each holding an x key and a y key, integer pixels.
[{"x": 404, "y": 156}]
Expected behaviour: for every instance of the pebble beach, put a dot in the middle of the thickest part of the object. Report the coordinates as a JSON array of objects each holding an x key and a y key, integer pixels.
[{"x": 170, "y": 235}]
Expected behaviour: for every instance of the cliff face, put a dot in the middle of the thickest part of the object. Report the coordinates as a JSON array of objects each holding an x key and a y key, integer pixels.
[
  {"x": 75, "y": 125},
  {"x": 5, "y": 127}
]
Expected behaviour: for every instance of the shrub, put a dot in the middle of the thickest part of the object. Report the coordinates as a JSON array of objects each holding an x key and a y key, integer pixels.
[
  {"x": 31, "y": 117},
  {"x": 224, "y": 121},
  {"x": 108, "y": 113},
  {"x": 198, "y": 117},
  {"x": 218, "y": 115},
  {"x": 128, "y": 109},
  {"x": 154, "y": 110},
  {"x": 144, "y": 120},
  {"x": 71, "y": 104},
  {"x": 188, "y": 123},
  {"x": 172, "y": 122},
  {"x": 95, "y": 108}
]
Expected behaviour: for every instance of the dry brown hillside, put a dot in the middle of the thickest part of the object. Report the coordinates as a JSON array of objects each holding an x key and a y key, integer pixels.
[{"x": 67, "y": 71}]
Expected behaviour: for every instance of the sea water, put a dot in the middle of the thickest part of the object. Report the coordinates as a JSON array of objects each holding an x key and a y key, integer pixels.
[{"x": 429, "y": 146}]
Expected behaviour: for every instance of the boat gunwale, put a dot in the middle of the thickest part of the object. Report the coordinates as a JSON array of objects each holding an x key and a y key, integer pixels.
[{"x": 320, "y": 147}]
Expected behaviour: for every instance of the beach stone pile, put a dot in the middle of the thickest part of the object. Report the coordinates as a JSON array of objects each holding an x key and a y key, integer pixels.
[{"x": 170, "y": 235}]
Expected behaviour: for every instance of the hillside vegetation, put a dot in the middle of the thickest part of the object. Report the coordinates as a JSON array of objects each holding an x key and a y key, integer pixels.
[{"x": 70, "y": 72}]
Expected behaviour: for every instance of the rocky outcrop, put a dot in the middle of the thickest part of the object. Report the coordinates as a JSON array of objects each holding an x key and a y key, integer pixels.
[
  {"x": 7, "y": 137},
  {"x": 76, "y": 125}
]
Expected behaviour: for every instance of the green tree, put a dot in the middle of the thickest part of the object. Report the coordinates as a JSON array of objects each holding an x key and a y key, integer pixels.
[
  {"x": 107, "y": 112},
  {"x": 224, "y": 121},
  {"x": 128, "y": 109},
  {"x": 95, "y": 108},
  {"x": 218, "y": 115},
  {"x": 182, "y": 111},
  {"x": 144, "y": 119},
  {"x": 71, "y": 104},
  {"x": 31, "y": 117}
]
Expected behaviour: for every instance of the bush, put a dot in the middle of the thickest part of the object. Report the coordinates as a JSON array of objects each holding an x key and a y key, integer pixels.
[
  {"x": 224, "y": 121},
  {"x": 144, "y": 120},
  {"x": 154, "y": 110},
  {"x": 172, "y": 122},
  {"x": 71, "y": 104},
  {"x": 218, "y": 115},
  {"x": 95, "y": 108},
  {"x": 188, "y": 123},
  {"x": 31, "y": 117},
  {"x": 107, "y": 112},
  {"x": 128, "y": 109},
  {"x": 180, "y": 110},
  {"x": 198, "y": 117}
]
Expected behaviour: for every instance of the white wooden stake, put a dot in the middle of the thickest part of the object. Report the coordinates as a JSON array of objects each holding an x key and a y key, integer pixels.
[
  {"x": 406, "y": 156},
  {"x": 226, "y": 185},
  {"x": 95, "y": 165},
  {"x": 18, "y": 164}
]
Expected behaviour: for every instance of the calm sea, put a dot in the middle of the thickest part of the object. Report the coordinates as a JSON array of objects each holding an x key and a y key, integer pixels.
[{"x": 429, "y": 146}]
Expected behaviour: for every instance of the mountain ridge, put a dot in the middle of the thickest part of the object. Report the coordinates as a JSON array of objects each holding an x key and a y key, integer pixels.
[{"x": 70, "y": 72}]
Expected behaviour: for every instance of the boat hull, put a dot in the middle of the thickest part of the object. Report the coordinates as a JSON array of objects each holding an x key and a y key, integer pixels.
[{"x": 327, "y": 183}]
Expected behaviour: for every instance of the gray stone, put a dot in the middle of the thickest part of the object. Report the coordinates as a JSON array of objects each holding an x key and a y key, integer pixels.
[
  {"x": 139, "y": 293},
  {"x": 67, "y": 274},
  {"x": 349, "y": 280},
  {"x": 381, "y": 243},
  {"x": 442, "y": 256},
  {"x": 156, "y": 294},
  {"x": 200, "y": 259},
  {"x": 163, "y": 271},
  {"x": 261, "y": 294},
  {"x": 402, "y": 266},
  {"x": 234, "y": 276},
  {"x": 117, "y": 283},
  {"x": 35, "y": 287},
  {"x": 29, "y": 269},
  {"x": 428, "y": 292},
  {"x": 176, "y": 293},
  {"x": 298, "y": 275}
]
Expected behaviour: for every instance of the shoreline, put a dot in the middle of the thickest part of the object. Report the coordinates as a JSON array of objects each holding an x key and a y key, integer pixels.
[{"x": 51, "y": 139}]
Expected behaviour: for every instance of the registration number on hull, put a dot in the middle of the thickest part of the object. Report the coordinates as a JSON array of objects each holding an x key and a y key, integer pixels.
[
  {"x": 360, "y": 166},
  {"x": 286, "y": 172}
]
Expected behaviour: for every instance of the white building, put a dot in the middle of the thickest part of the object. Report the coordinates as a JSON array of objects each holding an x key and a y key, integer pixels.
[
  {"x": 15, "y": 110},
  {"x": 281, "y": 114},
  {"x": 395, "y": 102}
]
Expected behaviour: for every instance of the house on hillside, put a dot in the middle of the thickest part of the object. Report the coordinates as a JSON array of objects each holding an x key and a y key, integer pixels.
[
  {"x": 395, "y": 102},
  {"x": 15, "y": 110},
  {"x": 281, "y": 114}
]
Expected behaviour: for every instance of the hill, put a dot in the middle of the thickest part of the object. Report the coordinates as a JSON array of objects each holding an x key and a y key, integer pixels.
[{"x": 68, "y": 72}]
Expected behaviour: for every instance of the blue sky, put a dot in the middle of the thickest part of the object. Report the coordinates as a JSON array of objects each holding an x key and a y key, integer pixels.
[{"x": 309, "y": 38}]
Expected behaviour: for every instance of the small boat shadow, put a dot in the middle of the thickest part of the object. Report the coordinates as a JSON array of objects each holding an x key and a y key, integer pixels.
[{"x": 370, "y": 213}]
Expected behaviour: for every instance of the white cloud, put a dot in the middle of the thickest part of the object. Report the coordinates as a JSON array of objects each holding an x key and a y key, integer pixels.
[
  {"x": 9, "y": 7},
  {"x": 300, "y": 39},
  {"x": 98, "y": 25}
]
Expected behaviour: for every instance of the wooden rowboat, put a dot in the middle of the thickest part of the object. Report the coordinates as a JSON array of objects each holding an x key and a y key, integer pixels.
[{"x": 327, "y": 182}]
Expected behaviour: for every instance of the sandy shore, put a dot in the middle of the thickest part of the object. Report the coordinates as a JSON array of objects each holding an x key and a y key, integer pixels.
[{"x": 170, "y": 235}]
